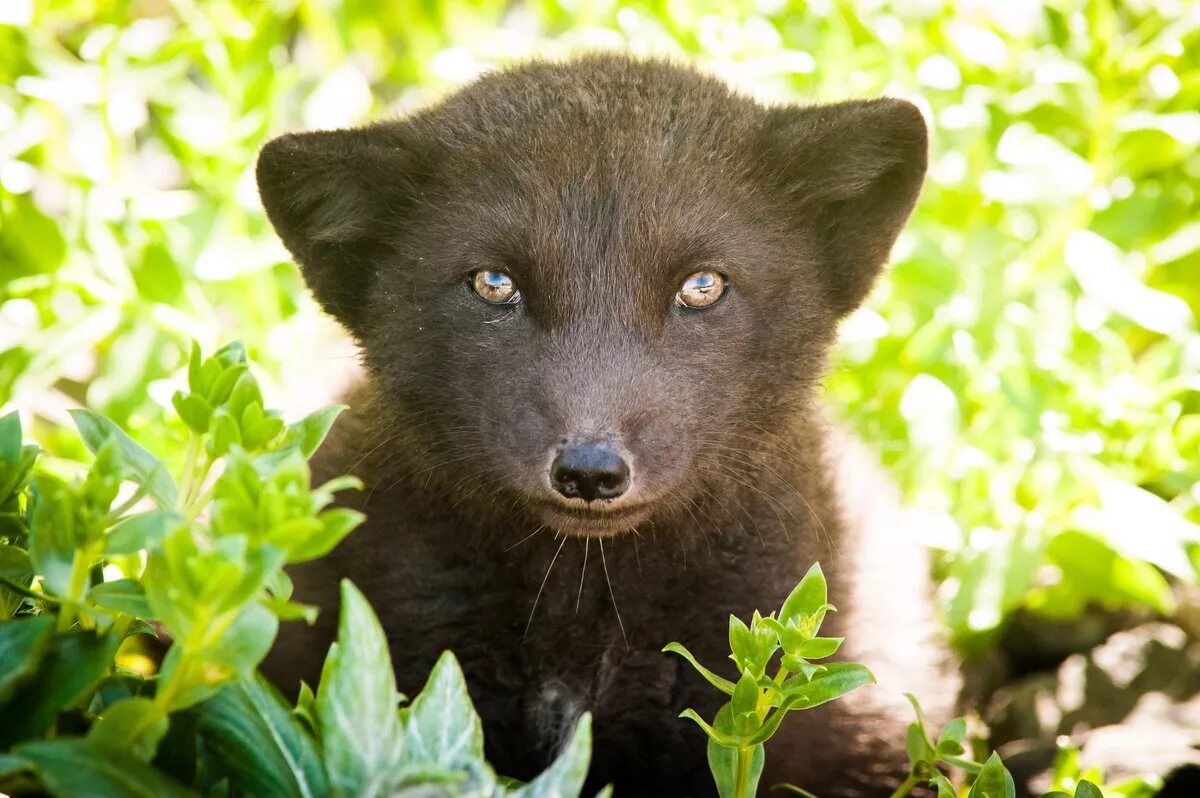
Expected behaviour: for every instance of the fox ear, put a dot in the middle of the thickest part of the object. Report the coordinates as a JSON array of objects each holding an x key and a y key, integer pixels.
[
  {"x": 850, "y": 174},
  {"x": 328, "y": 194}
]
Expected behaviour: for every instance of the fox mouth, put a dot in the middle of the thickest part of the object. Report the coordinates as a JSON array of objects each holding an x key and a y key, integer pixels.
[{"x": 594, "y": 519}]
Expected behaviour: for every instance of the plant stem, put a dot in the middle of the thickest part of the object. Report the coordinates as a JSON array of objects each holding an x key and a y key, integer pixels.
[
  {"x": 741, "y": 787},
  {"x": 81, "y": 565},
  {"x": 189, "y": 469},
  {"x": 906, "y": 787}
]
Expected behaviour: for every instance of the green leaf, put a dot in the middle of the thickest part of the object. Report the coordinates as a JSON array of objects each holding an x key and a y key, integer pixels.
[
  {"x": 52, "y": 533},
  {"x": 335, "y": 525},
  {"x": 16, "y": 458},
  {"x": 819, "y": 647},
  {"x": 835, "y": 681},
  {"x": 357, "y": 703},
  {"x": 234, "y": 655},
  {"x": 306, "y": 706},
  {"x": 122, "y": 595},
  {"x": 565, "y": 777},
  {"x": 721, "y": 683},
  {"x": 11, "y": 765},
  {"x": 1085, "y": 789},
  {"x": 136, "y": 725},
  {"x": 225, "y": 434},
  {"x": 71, "y": 665},
  {"x": 723, "y": 760},
  {"x": 21, "y": 645},
  {"x": 17, "y": 569},
  {"x": 291, "y": 610},
  {"x": 193, "y": 410},
  {"x": 808, "y": 597},
  {"x": 137, "y": 532},
  {"x": 993, "y": 781},
  {"x": 743, "y": 645},
  {"x": 76, "y": 768},
  {"x": 260, "y": 743},
  {"x": 944, "y": 788},
  {"x": 926, "y": 744},
  {"x": 727, "y": 739},
  {"x": 143, "y": 467},
  {"x": 442, "y": 727},
  {"x": 950, "y": 741},
  {"x": 10, "y": 440},
  {"x": 744, "y": 705},
  {"x": 308, "y": 433},
  {"x": 915, "y": 745}
]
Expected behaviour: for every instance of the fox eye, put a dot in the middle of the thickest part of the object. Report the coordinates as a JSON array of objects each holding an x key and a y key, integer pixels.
[
  {"x": 495, "y": 287},
  {"x": 701, "y": 290}
]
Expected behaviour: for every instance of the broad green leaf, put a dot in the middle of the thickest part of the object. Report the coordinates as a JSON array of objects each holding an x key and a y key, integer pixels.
[
  {"x": 52, "y": 533},
  {"x": 915, "y": 745},
  {"x": 723, "y": 760},
  {"x": 564, "y": 778},
  {"x": 137, "y": 532},
  {"x": 719, "y": 682},
  {"x": 11, "y": 765},
  {"x": 136, "y": 725},
  {"x": 122, "y": 595},
  {"x": 1085, "y": 789},
  {"x": 72, "y": 664},
  {"x": 835, "y": 681},
  {"x": 21, "y": 645},
  {"x": 808, "y": 597},
  {"x": 950, "y": 741},
  {"x": 77, "y": 769},
  {"x": 143, "y": 467},
  {"x": 357, "y": 704},
  {"x": 441, "y": 727},
  {"x": 262, "y": 745},
  {"x": 308, "y": 433},
  {"x": 234, "y": 655},
  {"x": 993, "y": 781}
]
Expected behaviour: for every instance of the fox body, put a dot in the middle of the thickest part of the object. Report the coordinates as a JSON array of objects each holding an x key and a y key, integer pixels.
[{"x": 594, "y": 301}]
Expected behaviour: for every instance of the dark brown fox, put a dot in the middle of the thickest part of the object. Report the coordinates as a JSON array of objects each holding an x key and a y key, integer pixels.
[{"x": 594, "y": 301}]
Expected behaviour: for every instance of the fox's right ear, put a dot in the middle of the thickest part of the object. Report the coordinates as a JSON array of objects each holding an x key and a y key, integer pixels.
[{"x": 329, "y": 195}]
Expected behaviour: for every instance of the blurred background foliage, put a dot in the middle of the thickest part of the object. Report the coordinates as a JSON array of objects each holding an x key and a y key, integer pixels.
[{"x": 1029, "y": 371}]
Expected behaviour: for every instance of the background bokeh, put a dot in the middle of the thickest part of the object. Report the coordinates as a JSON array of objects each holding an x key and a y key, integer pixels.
[{"x": 1029, "y": 371}]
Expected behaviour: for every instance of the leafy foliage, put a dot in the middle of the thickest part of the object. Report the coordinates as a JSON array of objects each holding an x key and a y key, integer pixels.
[
  {"x": 125, "y": 541},
  {"x": 758, "y": 702}
]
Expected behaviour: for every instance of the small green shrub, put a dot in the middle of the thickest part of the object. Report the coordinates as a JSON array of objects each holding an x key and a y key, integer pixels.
[{"x": 87, "y": 560}]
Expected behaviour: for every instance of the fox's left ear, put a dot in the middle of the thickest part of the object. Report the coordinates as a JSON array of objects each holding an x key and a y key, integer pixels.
[{"x": 850, "y": 174}]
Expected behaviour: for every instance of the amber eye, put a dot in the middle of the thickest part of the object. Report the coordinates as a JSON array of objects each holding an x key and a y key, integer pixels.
[
  {"x": 701, "y": 290},
  {"x": 495, "y": 287}
]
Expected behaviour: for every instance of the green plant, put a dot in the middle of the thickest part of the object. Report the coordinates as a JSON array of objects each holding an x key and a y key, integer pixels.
[
  {"x": 758, "y": 702},
  {"x": 88, "y": 560}
]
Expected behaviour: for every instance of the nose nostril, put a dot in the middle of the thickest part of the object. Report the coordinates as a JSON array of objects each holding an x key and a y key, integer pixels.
[{"x": 590, "y": 470}]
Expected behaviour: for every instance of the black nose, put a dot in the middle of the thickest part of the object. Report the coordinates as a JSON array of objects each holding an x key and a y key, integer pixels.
[{"x": 590, "y": 470}]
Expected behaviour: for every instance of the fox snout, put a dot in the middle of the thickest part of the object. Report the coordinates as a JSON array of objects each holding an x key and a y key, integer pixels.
[{"x": 592, "y": 470}]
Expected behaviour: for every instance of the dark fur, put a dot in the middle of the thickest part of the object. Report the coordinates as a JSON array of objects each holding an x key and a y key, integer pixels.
[{"x": 600, "y": 184}]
